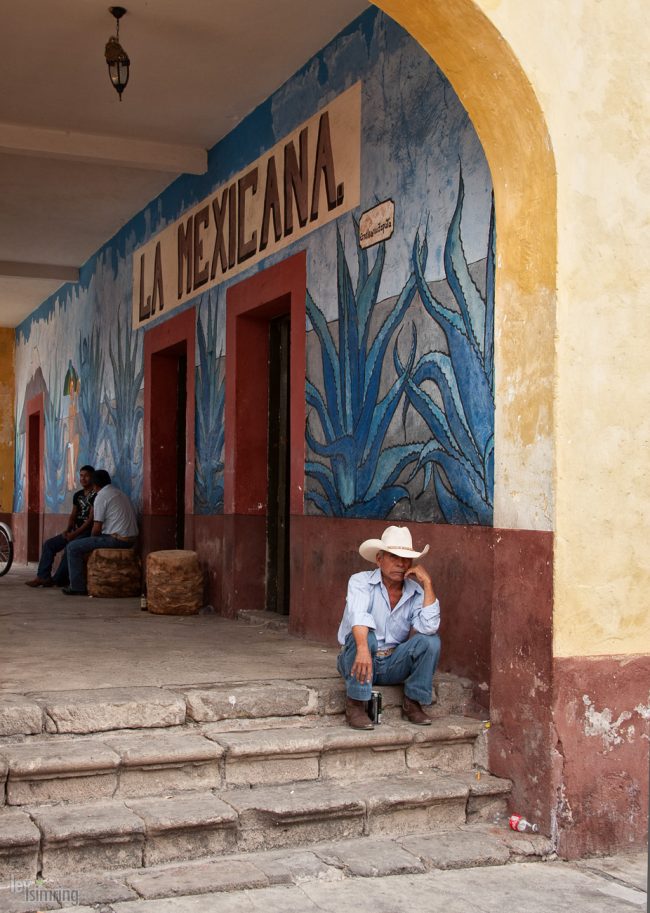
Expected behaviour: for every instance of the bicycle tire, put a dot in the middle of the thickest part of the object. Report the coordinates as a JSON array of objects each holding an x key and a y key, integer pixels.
[{"x": 6, "y": 549}]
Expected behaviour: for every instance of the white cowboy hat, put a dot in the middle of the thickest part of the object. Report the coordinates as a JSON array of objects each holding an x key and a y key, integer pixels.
[{"x": 394, "y": 539}]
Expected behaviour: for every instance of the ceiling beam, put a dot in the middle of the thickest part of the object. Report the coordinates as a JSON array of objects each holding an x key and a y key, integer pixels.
[
  {"x": 102, "y": 150},
  {"x": 38, "y": 271}
]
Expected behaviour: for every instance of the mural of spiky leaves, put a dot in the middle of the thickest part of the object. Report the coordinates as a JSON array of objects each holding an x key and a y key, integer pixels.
[
  {"x": 357, "y": 475},
  {"x": 91, "y": 384},
  {"x": 19, "y": 470},
  {"x": 125, "y": 412},
  {"x": 209, "y": 413},
  {"x": 459, "y": 458},
  {"x": 55, "y": 452}
]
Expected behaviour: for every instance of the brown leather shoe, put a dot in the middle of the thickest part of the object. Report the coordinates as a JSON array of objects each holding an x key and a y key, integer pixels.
[
  {"x": 356, "y": 716},
  {"x": 413, "y": 712},
  {"x": 40, "y": 581}
]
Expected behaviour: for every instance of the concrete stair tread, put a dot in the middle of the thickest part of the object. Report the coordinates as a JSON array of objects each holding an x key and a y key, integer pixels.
[
  {"x": 461, "y": 847},
  {"x": 175, "y": 812},
  {"x": 119, "y": 708}
]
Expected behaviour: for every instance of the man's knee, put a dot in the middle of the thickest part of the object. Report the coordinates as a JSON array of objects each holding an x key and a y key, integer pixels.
[{"x": 426, "y": 643}]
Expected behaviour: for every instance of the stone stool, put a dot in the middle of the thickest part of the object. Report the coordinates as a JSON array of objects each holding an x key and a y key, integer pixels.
[
  {"x": 114, "y": 572},
  {"x": 174, "y": 582}
]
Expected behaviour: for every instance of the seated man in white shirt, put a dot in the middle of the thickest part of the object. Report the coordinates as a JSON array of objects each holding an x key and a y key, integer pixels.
[
  {"x": 115, "y": 525},
  {"x": 389, "y": 629}
]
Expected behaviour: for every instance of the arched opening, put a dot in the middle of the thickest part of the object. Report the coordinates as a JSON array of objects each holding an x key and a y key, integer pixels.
[{"x": 509, "y": 122}]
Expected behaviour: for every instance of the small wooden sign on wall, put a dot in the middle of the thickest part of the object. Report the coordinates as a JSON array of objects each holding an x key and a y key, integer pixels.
[{"x": 377, "y": 224}]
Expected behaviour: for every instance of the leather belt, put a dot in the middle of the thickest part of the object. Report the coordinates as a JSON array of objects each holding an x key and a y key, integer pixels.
[
  {"x": 122, "y": 538},
  {"x": 387, "y": 652}
]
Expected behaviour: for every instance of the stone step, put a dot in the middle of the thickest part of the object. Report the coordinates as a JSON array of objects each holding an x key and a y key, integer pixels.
[
  {"x": 150, "y": 763},
  {"x": 107, "y": 709},
  {"x": 133, "y": 833},
  {"x": 462, "y": 847}
]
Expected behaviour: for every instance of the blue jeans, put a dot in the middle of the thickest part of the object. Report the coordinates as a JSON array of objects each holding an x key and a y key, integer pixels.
[
  {"x": 51, "y": 548},
  {"x": 412, "y": 663},
  {"x": 78, "y": 548}
]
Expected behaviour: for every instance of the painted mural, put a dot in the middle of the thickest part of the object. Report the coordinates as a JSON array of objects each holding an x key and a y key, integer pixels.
[{"x": 399, "y": 386}]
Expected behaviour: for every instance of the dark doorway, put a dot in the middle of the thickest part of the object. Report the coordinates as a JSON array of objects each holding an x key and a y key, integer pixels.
[
  {"x": 277, "y": 563},
  {"x": 168, "y": 439},
  {"x": 34, "y": 457}
]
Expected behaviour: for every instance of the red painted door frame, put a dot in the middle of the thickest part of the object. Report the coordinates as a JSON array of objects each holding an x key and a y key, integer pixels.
[
  {"x": 250, "y": 305},
  {"x": 173, "y": 333},
  {"x": 34, "y": 501}
]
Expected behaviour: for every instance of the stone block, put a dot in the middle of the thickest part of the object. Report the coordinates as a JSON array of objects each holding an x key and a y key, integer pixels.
[
  {"x": 174, "y": 582},
  {"x": 201, "y": 878},
  {"x": 523, "y": 846},
  {"x": 413, "y": 805},
  {"x": 25, "y": 896},
  {"x": 20, "y": 715},
  {"x": 371, "y": 858},
  {"x": 92, "y": 837},
  {"x": 19, "y": 846},
  {"x": 295, "y": 866},
  {"x": 185, "y": 827},
  {"x": 60, "y": 771},
  {"x": 454, "y": 694},
  {"x": 272, "y": 756},
  {"x": 457, "y": 849},
  {"x": 330, "y": 694},
  {"x": 114, "y": 573},
  {"x": 357, "y": 764},
  {"x": 153, "y": 764},
  {"x": 257, "y": 699},
  {"x": 111, "y": 708},
  {"x": 450, "y": 757},
  {"x": 87, "y": 890},
  {"x": 488, "y": 796},
  {"x": 307, "y": 813},
  {"x": 4, "y": 770}
]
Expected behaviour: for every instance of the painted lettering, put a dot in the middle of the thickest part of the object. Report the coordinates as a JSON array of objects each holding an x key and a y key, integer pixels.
[
  {"x": 219, "y": 252},
  {"x": 144, "y": 310},
  {"x": 324, "y": 165},
  {"x": 201, "y": 219},
  {"x": 185, "y": 256},
  {"x": 245, "y": 249},
  {"x": 296, "y": 180},
  {"x": 271, "y": 206},
  {"x": 157, "y": 293},
  {"x": 232, "y": 225}
]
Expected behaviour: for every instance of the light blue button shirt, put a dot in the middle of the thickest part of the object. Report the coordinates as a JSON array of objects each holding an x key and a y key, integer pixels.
[{"x": 367, "y": 604}]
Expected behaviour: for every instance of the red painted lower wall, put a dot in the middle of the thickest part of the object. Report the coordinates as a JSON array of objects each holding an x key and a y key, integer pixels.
[{"x": 602, "y": 721}]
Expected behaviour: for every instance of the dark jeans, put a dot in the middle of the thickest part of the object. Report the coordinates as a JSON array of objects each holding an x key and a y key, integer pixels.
[
  {"x": 412, "y": 663},
  {"x": 51, "y": 548},
  {"x": 77, "y": 549}
]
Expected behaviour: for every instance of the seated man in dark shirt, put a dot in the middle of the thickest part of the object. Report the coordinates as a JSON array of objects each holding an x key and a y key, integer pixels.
[
  {"x": 79, "y": 526},
  {"x": 388, "y": 633}
]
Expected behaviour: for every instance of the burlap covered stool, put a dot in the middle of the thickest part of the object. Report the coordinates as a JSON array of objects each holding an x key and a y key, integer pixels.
[
  {"x": 174, "y": 582},
  {"x": 114, "y": 572}
]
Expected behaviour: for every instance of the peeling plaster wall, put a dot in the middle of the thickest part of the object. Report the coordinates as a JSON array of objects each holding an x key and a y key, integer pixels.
[
  {"x": 590, "y": 73},
  {"x": 7, "y": 346}
]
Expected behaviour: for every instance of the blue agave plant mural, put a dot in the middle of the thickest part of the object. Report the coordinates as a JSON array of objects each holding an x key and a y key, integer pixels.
[
  {"x": 126, "y": 413},
  {"x": 459, "y": 458},
  {"x": 19, "y": 478},
  {"x": 357, "y": 475},
  {"x": 55, "y": 490},
  {"x": 91, "y": 383},
  {"x": 210, "y": 401}
]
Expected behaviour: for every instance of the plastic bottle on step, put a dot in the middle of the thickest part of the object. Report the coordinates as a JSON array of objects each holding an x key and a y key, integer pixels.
[{"x": 518, "y": 823}]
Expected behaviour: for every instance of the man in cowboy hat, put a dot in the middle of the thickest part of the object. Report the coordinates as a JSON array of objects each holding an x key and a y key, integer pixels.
[{"x": 389, "y": 629}]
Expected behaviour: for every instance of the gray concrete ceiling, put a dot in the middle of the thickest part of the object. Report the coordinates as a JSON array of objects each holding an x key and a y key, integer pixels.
[{"x": 76, "y": 164}]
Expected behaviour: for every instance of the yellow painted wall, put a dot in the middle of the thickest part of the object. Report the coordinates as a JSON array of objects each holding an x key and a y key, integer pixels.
[
  {"x": 585, "y": 436},
  {"x": 7, "y": 396}
]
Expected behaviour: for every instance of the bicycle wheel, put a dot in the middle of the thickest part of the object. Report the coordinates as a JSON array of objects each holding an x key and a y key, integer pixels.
[{"x": 6, "y": 549}]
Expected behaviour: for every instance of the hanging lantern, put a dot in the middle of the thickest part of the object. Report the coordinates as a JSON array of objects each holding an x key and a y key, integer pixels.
[{"x": 116, "y": 57}]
